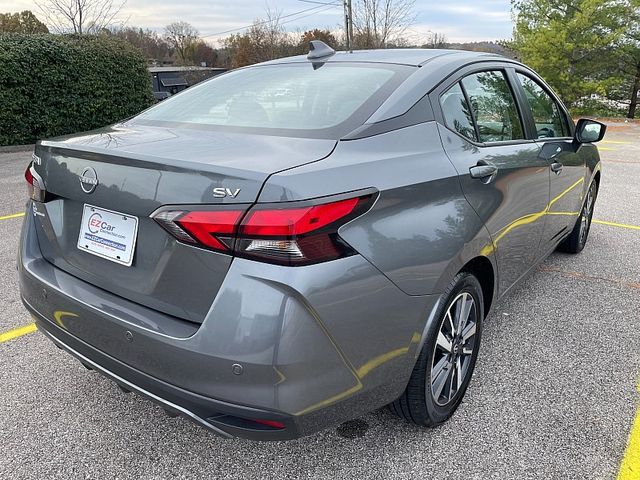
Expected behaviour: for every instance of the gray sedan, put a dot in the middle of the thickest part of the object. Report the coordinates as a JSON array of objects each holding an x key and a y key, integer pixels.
[{"x": 290, "y": 245}]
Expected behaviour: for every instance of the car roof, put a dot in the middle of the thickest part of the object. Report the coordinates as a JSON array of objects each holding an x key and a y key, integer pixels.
[{"x": 400, "y": 56}]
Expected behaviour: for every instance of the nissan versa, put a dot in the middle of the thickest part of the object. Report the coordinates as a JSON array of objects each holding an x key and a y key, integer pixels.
[{"x": 272, "y": 264}]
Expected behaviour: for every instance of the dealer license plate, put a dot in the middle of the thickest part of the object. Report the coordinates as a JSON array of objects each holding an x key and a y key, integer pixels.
[{"x": 108, "y": 234}]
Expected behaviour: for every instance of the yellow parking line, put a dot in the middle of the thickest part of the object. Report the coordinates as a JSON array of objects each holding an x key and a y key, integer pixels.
[
  {"x": 630, "y": 466},
  {"x": 13, "y": 215},
  {"x": 17, "y": 332},
  {"x": 620, "y": 142},
  {"x": 614, "y": 224},
  {"x": 606, "y": 149}
]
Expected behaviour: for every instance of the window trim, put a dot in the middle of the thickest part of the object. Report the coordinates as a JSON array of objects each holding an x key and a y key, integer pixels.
[
  {"x": 458, "y": 76},
  {"x": 467, "y": 99}
]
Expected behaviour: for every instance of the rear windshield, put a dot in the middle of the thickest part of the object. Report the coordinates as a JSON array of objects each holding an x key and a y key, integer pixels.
[{"x": 284, "y": 99}]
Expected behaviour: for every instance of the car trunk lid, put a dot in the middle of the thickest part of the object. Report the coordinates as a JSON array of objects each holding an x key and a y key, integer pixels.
[{"x": 139, "y": 169}]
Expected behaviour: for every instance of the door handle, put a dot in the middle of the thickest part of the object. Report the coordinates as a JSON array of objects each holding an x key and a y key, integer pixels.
[
  {"x": 484, "y": 171},
  {"x": 556, "y": 167}
]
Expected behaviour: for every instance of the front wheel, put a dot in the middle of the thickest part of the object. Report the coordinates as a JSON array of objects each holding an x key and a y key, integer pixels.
[
  {"x": 577, "y": 239},
  {"x": 447, "y": 359}
]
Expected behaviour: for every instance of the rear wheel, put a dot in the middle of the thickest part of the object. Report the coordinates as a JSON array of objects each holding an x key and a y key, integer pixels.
[
  {"x": 443, "y": 369},
  {"x": 577, "y": 239}
]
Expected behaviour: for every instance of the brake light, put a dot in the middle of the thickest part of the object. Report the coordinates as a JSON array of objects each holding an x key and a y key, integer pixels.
[
  {"x": 285, "y": 221},
  {"x": 214, "y": 229},
  {"x": 296, "y": 233},
  {"x": 29, "y": 176},
  {"x": 35, "y": 185}
]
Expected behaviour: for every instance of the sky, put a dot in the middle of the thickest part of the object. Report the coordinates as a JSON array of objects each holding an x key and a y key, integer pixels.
[{"x": 458, "y": 20}]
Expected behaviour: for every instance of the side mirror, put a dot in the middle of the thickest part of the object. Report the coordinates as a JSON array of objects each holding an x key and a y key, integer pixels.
[{"x": 589, "y": 131}]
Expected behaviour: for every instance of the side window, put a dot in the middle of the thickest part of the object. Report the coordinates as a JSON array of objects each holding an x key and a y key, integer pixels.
[
  {"x": 549, "y": 119},
  {"x": 457, "y": 114},
  {"x": 494, "y": 106}
]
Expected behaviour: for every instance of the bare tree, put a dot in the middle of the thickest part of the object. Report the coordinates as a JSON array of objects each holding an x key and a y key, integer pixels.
[
  {"x": 268, "y": 36},
  {"x": 377, "y": 22},
  {"x": 436, "y": 40},
  {"x": 154, "y": 47},
  {"x": 266, "y": 39},
  {"x": 182, "y": 37},
  {"x": 80, "y": 16}
]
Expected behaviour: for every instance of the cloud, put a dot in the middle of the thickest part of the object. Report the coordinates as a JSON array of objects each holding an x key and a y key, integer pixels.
[
  {"x": 467, "y": 11},
  {"x": 460, "y": 21}
]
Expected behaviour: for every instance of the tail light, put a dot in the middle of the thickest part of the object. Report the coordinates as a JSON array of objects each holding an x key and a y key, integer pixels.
[
  {"x": 35, "y": 185},
  {"x": 214, "y": 229},
  {"x": 291, "y": 233}
]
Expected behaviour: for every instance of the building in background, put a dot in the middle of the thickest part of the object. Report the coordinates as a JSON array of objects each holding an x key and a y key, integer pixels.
[{"x": 171, "y": 80}]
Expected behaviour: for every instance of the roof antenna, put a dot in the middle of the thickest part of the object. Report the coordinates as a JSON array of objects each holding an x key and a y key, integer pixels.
[{"x": 319, "y": 49}]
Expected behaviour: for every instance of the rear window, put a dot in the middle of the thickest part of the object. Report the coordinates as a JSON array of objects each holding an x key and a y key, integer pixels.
[{"x": 284, "y": 99}]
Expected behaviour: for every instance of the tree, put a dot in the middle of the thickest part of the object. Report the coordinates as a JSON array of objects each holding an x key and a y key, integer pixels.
[
  {"x": 80, "y": 16},
  {"x": 630, "y": 59},
  {"x": 622, "y": 84},
  {"x": 239, "y": 49},
  {"x": 154, "y": 47},
  {"x": 182, "y": 37},
  {"x": 265, "y": 40},
  {"x": 569, "y": 42},
  {"x": 23, "y": 22},
  {"x": 316, "y": 34},
  {"x": 436, "y": 40},
  {"x": 203, "y": 53},
  {"x": 376, "y": 22}
]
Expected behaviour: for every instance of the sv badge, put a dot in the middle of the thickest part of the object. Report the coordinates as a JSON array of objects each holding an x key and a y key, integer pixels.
[{"x": 221, "y": 192}]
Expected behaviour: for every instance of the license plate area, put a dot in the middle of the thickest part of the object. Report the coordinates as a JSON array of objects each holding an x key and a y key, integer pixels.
[{"x": 108, "y": 234}]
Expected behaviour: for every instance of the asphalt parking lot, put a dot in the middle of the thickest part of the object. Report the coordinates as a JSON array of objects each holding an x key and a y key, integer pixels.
[{"x": 554, "y": 395}]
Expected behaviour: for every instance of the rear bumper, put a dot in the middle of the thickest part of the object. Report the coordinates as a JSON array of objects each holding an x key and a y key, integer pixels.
[
  {"x": 317, "y": 345},
  {"x": 202, "y": 410}
]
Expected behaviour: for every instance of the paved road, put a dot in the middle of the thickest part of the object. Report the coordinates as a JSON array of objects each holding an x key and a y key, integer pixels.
[{"x": 553, "y": 396}]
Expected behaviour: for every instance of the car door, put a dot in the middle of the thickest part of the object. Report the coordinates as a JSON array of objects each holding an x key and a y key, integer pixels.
[
  {"x": 554, "y": 133},
  {"x": 501, "y": 172}
]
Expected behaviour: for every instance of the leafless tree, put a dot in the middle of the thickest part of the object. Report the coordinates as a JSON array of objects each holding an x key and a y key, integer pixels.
[
  {"x": 377, "y": 22},
  {"x": 80, "y": 16},
  {"x": 154, "y": 47},
  {"x": 182, "y": 37},
  {"x": 436, "y": 40},
  {"x": 266, "y": 39},
  {"x": 268, "y": 36}
]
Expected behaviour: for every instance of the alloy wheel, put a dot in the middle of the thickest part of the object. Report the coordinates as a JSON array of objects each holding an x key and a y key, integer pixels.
[
  {"x": 454, "y": 348},
  {"x": 587, "y": 212}
]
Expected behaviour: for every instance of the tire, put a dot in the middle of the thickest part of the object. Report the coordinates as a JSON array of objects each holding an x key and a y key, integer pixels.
[
  {"x": 577, "y": 239},
  {"x": 421, "y": 403}
]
